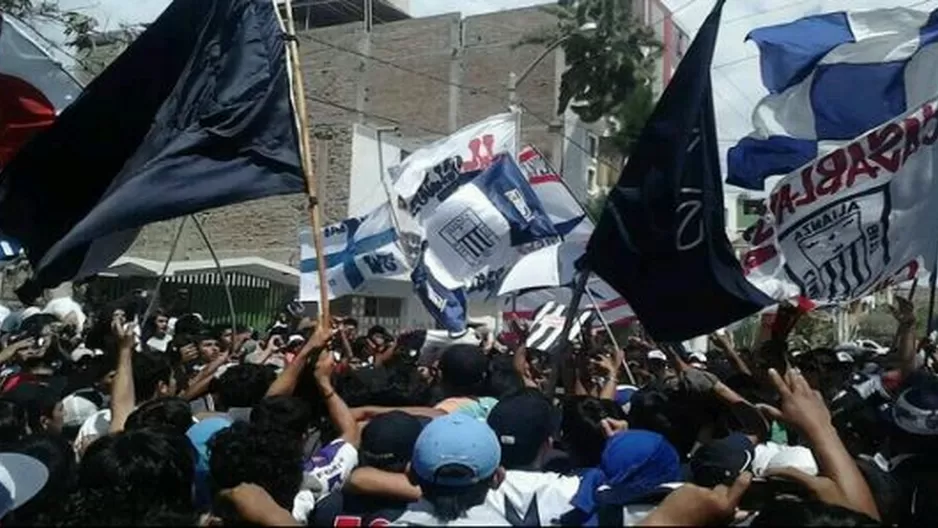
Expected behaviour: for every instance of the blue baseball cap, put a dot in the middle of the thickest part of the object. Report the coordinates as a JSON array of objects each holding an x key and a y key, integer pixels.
[
  {"x": 456, "y": 440},
  {"x": 199, "y": 434}
]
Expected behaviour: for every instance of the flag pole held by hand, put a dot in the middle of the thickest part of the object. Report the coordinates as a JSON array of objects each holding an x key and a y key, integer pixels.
[{"x": 299, "y": 99}]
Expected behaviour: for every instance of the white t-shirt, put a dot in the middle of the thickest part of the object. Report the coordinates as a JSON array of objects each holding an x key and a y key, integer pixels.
[
  {"x": 523, "y": 494},
  {"x": 520, "y": 489},
  {"x": 421, "y": 513},
  {"x": 158, "y": 344},
  {"x": 323, "y": 473}
]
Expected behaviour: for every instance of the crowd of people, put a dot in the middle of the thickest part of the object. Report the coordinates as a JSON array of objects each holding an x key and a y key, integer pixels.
[{"x": 176, "y": 422}]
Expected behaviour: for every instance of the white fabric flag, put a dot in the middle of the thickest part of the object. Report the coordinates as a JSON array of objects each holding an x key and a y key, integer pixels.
[
  {"x": 855, "y": 220},
  {"x": 431, "y": 174},
  {"x": 357, "y": 250}
]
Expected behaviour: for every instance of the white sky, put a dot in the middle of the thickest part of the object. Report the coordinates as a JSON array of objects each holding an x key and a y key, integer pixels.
[{"x": 737, "y": 84}]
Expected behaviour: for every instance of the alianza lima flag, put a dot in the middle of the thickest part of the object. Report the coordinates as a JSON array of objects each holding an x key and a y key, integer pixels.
[
  {"x": 195, "y": 114},
  {"x": 830, "y": 78},
  {"x": 428, "y": 176},
  {"x": 661, "y": 241},
  {"x": 857, "y": 219},
  {"x": 485, "y": 224},
  {"x": 34, "y": 87},
  {"x": 357, "y": 250}
]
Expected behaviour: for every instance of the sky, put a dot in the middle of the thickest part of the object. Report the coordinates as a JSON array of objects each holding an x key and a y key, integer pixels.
[{"x": 736, "y": 80}]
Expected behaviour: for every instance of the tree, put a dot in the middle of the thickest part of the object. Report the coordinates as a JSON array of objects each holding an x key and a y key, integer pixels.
[
  {"x": 611, "y": 57},
  {"x": 78, "y": 27}
]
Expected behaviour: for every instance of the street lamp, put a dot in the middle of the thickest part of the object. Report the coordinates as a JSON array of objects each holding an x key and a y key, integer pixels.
[{"x": 515, "y": 80}]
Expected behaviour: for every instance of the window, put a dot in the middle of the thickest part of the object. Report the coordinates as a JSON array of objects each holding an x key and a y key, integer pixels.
[
  {"x": 753, "y": 207},
  {"x": 592, "y": 145},
  {"x": 591, "y": 182},
  {"x": 371, "y": 307}
]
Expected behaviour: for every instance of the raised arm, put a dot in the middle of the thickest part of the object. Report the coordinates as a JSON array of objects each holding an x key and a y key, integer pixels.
[
  {"x": 287, "y": 380},
  {"x": 122, "y": 389}
]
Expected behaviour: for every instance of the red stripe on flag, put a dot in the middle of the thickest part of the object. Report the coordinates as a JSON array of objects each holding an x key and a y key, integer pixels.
[
  {"x": 24, "y": 111},
  {"x": 544, "y": 178}
]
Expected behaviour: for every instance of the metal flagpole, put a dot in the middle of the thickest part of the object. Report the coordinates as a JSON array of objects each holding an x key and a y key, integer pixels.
[
  {"x": 608, "y": 328},
  {"x": 221, "y": 272},
  {"x": 169, "y": 259},
  {"x": 932, "y": 277},
  {"x": 559, "y": 358},
  {"x": 299, "y": 100}
]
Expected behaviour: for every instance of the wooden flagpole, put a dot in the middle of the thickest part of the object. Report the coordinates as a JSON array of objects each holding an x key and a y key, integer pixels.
[{"x": 299, "y": 93}]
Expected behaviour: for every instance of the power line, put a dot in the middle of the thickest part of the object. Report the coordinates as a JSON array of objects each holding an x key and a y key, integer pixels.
[
  {"x": 411, "y": 71},
  {"x": 372, "y": 115}
]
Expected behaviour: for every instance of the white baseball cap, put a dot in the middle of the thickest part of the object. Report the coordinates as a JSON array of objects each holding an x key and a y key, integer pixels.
[
  {"x": 77, "y": 410},
  {"x": 657, "y": 354},
  {"x": 21, "y": 478}
]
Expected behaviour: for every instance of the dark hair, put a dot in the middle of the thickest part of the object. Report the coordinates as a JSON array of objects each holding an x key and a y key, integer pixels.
[
  {"x": 188, "y": 324},
  {"x": 13, "y": 422},
  {"x": 149, "y": 370},
  {"x": 149, "y": 326},
  {"x": 242, "y": 385},
  {"x": 351, "y": 321},
  {"x": 171, "y": 412},
  {"x": 787, "y": 512},
  {"x": 287, "y": 413},
  {"x": 502, "y": 378},
  {"x": 139, "y": 471},
  {"x": 675, "y": 415},
  {"x": 269, "y": 458},
  {"x": 581, "y": 427},
  {"x": 59, "y": 458},
  {"x": 451, "y": 503}
]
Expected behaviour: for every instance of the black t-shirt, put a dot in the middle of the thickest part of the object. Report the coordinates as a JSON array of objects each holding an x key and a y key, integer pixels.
[{"x": 347, "y": 510}]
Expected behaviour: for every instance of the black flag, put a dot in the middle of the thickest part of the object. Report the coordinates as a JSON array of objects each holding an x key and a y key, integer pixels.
[
  {"x": 195, "y": 114},
  {"x": 661, "y": 241}
]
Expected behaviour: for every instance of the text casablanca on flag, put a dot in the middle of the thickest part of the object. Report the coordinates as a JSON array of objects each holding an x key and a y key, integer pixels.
[{"x": 855, "y": 220}]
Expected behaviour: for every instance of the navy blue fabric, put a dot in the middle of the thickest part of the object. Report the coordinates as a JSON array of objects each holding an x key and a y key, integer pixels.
[
  {"x": 751, "y": 161},
  {"x": 661, "y": 241},
  {"x": 195, "y": 114},
  {"x": 788, "y": 52},
  {"x": 448, "y": 307},
  {"x": 841, "y": 113},
  {"x": 504, "y": 178}
]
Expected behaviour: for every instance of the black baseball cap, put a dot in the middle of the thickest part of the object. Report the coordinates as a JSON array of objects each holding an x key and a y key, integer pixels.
[
  {"x": 721, "y": 461},
  {"x": 388, "y": 440},
  {"x": 522, "y": 423}
]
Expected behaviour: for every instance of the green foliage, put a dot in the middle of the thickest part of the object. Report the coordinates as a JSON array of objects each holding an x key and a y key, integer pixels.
[
  {"x": 78, "y": 26},
  {"x": 611, "y": 58},
  {"x": 816, "y": 329}
]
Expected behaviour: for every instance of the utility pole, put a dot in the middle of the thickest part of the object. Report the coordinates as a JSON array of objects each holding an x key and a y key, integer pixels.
[{"x": 369, "y": 15}]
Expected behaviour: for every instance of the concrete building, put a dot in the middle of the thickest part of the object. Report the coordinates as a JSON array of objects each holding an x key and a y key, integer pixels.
[{"x": 427, "y": 77}]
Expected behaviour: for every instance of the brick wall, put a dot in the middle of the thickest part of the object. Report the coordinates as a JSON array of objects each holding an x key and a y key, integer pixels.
[{"x": 477, "y": 51}]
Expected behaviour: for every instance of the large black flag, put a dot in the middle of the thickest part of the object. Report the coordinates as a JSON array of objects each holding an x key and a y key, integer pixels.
[
  {"x": 195, "y": 114},
  {"x": 661, "y": 241}
]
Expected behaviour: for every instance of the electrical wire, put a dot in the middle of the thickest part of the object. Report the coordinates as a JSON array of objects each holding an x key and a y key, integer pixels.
[
  {"x": 405, "y": 69},
  {"x": 373, "y": 115}
]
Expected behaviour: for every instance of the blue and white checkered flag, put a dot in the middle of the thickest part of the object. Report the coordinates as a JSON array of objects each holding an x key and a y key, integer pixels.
[
  {"x": 357, "y": 249},
  {"x": 830, "y": 78}
]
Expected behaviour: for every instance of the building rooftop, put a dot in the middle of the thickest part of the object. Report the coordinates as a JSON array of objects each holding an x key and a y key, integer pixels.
[{"x": 321, "y": 13}]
